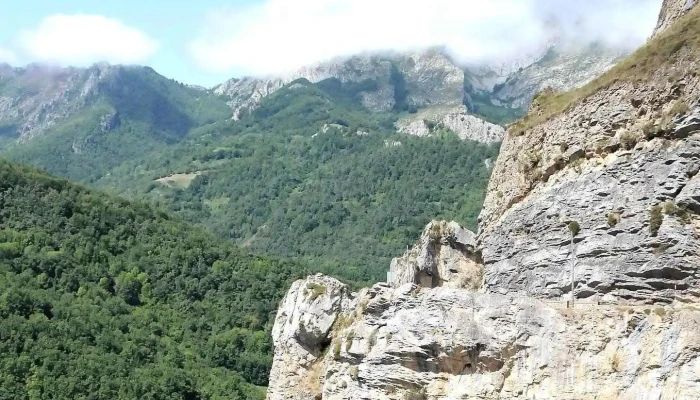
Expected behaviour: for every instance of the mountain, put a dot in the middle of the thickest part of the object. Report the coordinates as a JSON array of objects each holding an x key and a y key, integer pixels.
[
  {"x": 311, "y": 173},
  {"x": 499, "y": 93},
  {"x": 103, "y": 298},
  {"x": 334, "y": 164},
  {"x": 81, "y": 122},
  {"x": 582, "y": 282}
]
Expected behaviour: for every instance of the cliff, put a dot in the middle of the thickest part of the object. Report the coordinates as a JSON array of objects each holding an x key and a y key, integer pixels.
[
  {"x": 619, "y": 158},
  {"x": 600, "y": 183},
  {"x": 444, "y": 343}
]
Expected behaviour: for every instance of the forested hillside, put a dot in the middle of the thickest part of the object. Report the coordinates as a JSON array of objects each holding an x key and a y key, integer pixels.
[
  {"x": 81, "y": 123},
  {"x": 311, "y": 173},
  {"x": 101, "y": 298}
]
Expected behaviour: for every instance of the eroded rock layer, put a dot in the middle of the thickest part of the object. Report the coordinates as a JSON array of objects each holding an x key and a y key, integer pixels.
[
  {"x": 416, "y": 343},
  {"x": 622, "y": 165}
]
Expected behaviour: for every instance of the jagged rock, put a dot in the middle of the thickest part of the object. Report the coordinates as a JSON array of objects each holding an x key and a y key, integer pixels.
[
  {"x": 430, "y": 77},
  {"x": 605, "y": 163},
  {"x": 456, "y": 119},
  {"x": 442, "y": 343},
  {"x": 671, "y": 10},
  {"x": 109, "y": 122},
  {"x": 302, "y": 328},
  {"x": 560, "y": 70},
  {"x": 445, "y": 255}
]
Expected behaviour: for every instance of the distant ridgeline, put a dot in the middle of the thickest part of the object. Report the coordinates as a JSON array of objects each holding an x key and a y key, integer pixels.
[{"x": 341, "y": 164}]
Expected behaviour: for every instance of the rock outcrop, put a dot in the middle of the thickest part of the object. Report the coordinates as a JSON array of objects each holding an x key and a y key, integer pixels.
[
  {"x": 671, "y": 10},
  {"x": 456, "y": 119},
  {"x": 48, "y": 95},
  {"x": 621, "y": 163},
  {"x": 559, "y": 69},
  {"x": 415, "y": 343},
  {"x": 430, "y": 77},
  {"x": 445, "y": 255},
  {"x": 425, "y": 78},
  {"x": 604, "y": 182}
]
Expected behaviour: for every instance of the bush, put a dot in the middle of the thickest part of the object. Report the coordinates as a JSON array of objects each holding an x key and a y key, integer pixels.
[
  {"x": 316, "y": 290},
  {"x": 354, "y": 372},
  {"x": 348, "y": 340},
  {"x": 613, "y": 219},
  {"x": 656, "y": 218},
  {"x": 574, "y": 228},
  {"x": 679, "y": 108},
  {"x": 336, "y": 350},
  {"x": 628, "y": 140}
]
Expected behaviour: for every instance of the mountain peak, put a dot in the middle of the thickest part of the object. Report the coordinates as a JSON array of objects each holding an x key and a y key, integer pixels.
[{"x": 671, "y": 10}]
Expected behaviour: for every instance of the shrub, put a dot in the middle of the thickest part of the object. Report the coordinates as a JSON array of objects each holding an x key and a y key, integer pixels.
[
  {"x": 670, "y": 208},
  {"x": 415, "y": 394},
  {"x": 316, "y": 290},
  {"x": 354, "y": 372},
  {"x": 656, "y": 218},
  {"x": 373, "y": 339},
  {"x": 628, "y": 140},
  {"x": 336, "y": 350},
  {"x": 530, "y": 160},
  {"x": 348, "y": 340},
  {"x": 613, "y": 219},
  {"x": 574, "y": 228},
  {"x": 649, "y": 130},
  {"x": 679, "y": 108}
]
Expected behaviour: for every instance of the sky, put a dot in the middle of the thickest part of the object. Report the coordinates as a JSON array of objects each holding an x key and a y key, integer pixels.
[{"x": 208, "y": 41}]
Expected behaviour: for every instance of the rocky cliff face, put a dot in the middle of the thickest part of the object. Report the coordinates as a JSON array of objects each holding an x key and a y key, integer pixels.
[
  {"x": 445, "y": 255},
  {"x": 416, "y": 343},
  {"x": 423, "y": 79},
  {"x": 558, "y": 68},
  {"x": 621, "y": 163},
  {"x": 431, "y": 78},
  {"x": 33, "y": 99},
  {"x": 457, "y": 119},
  {"x": 671, "y": 10},
  {"x": 604, "y": 180}
]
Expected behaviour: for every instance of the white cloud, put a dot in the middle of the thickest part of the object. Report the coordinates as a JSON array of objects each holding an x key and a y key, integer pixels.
[
  {"x": 84, "y": 39},
  {"x": 281, "y": 35},
  {"x": 7, "y": 56}
]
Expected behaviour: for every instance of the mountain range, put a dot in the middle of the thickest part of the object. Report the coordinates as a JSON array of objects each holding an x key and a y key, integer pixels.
[{"x": 201, "y": 206}]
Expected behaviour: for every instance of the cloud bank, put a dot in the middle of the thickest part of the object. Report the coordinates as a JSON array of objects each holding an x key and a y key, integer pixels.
[
  {"x": 281, "y": 35},
  {"x": 81, "y": 40}
]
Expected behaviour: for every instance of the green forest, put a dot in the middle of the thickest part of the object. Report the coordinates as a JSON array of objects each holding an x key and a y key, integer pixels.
[
  {"x": 279, "y": 183},
  {"x": 101, "y": 298},
  {"x": 162, "y": 280}
]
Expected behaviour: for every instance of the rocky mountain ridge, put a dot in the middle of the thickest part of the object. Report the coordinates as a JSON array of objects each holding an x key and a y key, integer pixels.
[
  {"x": 431, "y": 77},
  {"x": 601, "y": 182}
]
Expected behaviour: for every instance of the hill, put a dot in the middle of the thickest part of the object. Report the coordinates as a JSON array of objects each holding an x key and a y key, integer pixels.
[
  {"x": 81, "y": 122},
  {"x": 312, "y": 173},
  {"x": 103, "y": 298}
]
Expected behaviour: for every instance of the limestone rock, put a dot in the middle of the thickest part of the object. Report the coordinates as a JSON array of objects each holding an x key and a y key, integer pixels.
[
  {"x": 607, "y": 162},
  {"x": 301, "y": 332},
  {"x": 671, "y": 10},
  {"x": 456, "y": 119},
  {"x": 445, "y": 255},
  {"x": 431, "y": 78},
  {"x": 443, "y": 343}
]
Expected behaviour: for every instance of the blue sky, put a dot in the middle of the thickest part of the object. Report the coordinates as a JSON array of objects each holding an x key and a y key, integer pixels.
[
  {"x": 208, "y": 41},
  {"x": 170, "y": 22}
]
